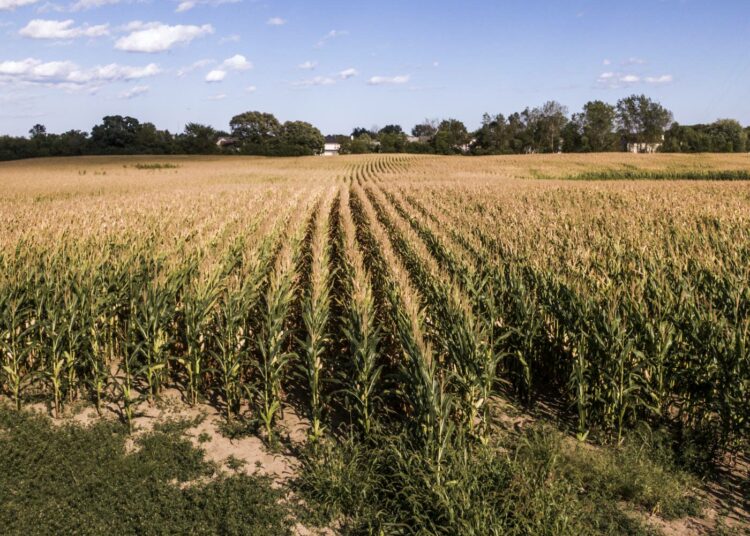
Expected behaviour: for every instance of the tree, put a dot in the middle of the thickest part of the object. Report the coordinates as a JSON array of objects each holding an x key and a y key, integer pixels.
[
  {"x": 426, "y": 129},
  {"x": 598, "y": 126},
  {"x": 71, "y": 143},
  {"x": 641, "y": 120},
  {"x": 722, "y": 136},
  {"x": 198, "y": 139},
  {"x": 361, "y": 144},
  {"x": 299, "y": 138},
  {"x": 38, "y": 131},
  {"x": 451, "y": 137},
  {"x": 573, "y": 140},
  {"x": 391, "y": 129},
  {"x": 255, "y": 128},
  {"x": 360, "y": 131},
  {"x": 545, "y": 125},
  {"x": 116, "y": 134},
  {"x": 392, "y": 139}
]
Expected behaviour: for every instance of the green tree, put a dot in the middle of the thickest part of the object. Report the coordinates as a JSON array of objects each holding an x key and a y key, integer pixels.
[
  {"x": 198, "y": 139},
  {"x": 392, "y": 139},
  {"x": 427, "y": 129},
  {"x": 299, "y": 138},
  {"x": 598, "y": 126},
  {"x": 641, "y": 120},
  {"x": 451, "y": 137},
  {"x": 255, "y": 129},
  {"x": 115, "y": 134},
  {"x": 545, "y": 125}
]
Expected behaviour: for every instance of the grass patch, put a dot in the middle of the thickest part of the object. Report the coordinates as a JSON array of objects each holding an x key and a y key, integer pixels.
[
  {"x": 75, "y": 480},
  {"x": 156, "y": 166},
  {"x": 668, "y": 174},
  {"x": 533, "y": 484}
]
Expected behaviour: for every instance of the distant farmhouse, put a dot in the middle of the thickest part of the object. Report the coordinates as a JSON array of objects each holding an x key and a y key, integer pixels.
[
  {"x": 332, "y": 147},
  {"x": 226, "y": 142},
  {"x": 643, "y": 147}
]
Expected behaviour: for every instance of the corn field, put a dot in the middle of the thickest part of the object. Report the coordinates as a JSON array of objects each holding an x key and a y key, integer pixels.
[{"x": 380, "y": 291}]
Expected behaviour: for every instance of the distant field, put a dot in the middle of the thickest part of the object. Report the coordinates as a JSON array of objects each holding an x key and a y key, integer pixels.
[{"x": 398, "y": 296}]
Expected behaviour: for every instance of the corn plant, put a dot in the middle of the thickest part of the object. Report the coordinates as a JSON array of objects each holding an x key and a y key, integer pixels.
[
  {"x": 315, "y": 317},
  {"x": 275, "y": 335},
  {"x": 232, "y": 344},
  {"x": 198, "y": 312}
]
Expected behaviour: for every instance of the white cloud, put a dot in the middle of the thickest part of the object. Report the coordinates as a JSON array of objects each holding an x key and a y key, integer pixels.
[
  {"x": 383, "y": 80},
  {"x": 663, "y": 79},
  {"x": 193, "y": 67},
  {"x": 217, "y": 75},
  {"x": 238, "y": 62},
  {"x": 234, "y": 38},
  {"x": 158, "y": 37},
  {"x": 276, "y": 21},
  {"x": 66, "y": 74},
  {"x": 436, "y": 64},
  {"x": 316, "y": 81},
  {"x": 308, "y": 65},
  {"x": 61, "y": 29},
  {"x": 606, "y": 62},
  {"x": 217, "y": 97},
  {"x": 251, "y": 89},
  {"x": 187, "y": 5},
  {"x": 133, "y": 92},
  {"x": 81, "y": 5},
  {"x": 615, "y": 80},
  {"x": 331, "y": 35},
  {"x": 634, "y": 61},
  {"x": 346, "y": 74},
  {"x": 9, "y": 5}
]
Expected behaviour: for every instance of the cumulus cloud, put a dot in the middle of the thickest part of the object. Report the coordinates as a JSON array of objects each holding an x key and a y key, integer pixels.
[
  {"x": 605, "y": 61},
  {"x": 308, "y": 65},
  {"x": 615, "y": 80},
  {"x": 133, "y": 92},
  {"x": 315, "y": 81},
  {"x": 217, "y": 97},
  {"x": 663, "y": 79},
  {"x": 217, "y": 75},
  {"x": 346, "y": 74},
  {"x": 158, "y": 37},
  {"x": 66, "y": 74},
  {"x": 634, "y": 61},
  {"x": 193, "y": 67},
  {"x": 386, "y": 80},
  {"x": 238, "y": 62},
  {"x": 9, "y": 5},
  {"x": 82, "y": 5},
  {"x": 333, "y": 34},
  {"x": 61, "y": 29},
  {"x": 187, "y": 5},
  {"x": 276, "y": 21},
  {"x": 251, "y": 89}
]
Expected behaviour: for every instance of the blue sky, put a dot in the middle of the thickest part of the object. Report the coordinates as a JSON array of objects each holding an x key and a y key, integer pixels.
[{"x": 67, "y": 63}]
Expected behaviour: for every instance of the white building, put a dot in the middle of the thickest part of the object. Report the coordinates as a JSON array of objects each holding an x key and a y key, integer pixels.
[
  {"x": 643, "y": 147},
  {"x": 331, "y": 149}
]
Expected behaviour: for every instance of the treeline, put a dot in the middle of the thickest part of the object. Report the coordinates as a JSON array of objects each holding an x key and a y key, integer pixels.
[
  {"x": 598, "y": 127},
  {"x": 250, "y": 133}
]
